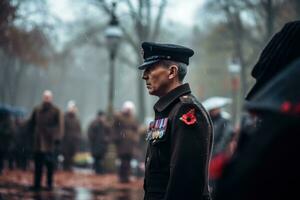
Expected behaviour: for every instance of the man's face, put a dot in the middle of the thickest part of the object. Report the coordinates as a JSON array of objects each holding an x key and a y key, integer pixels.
[
  {"x": 47, "y": 98},
  {"x": 157, "y": 79}
]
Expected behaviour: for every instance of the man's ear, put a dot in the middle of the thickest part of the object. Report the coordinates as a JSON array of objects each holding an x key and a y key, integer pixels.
[{"x": 173, "y": 71}]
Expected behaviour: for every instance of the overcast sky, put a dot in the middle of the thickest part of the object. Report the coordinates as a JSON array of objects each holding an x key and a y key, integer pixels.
[{"x": 181, "y": 11}]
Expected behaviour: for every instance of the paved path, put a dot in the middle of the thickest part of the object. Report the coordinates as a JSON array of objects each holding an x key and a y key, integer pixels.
[{"x": 14, "y": 185}]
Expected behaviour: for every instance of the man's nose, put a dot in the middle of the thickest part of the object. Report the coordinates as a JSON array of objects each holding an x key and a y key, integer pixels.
[{"x": 145, "y": 75}]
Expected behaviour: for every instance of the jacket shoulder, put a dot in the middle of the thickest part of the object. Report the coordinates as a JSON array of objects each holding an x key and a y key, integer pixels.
[
  {"x": 187, "y": 99},
  {"x": 190, "y": 100},
  {"x": 185, "y": 103}
]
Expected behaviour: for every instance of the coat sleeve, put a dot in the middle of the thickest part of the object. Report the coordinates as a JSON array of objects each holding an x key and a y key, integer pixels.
[
  {"x": 61, "y": 126},
  {"x": 190, "y": 153},
  {"x": 31, "y": 121}
]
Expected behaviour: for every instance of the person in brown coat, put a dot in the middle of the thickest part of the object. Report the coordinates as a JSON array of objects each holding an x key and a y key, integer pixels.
[
  {"x": 46, "y": 122},
  {"x": 126, "y": 138},
  {"x": 72, "y": 135},
  {"x": 181, "y": 135}
]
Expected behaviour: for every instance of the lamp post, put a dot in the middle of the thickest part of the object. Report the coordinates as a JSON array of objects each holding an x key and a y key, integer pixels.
[
  {"x": 113, "y": 34},
  {"x": 234, "y": 69}
]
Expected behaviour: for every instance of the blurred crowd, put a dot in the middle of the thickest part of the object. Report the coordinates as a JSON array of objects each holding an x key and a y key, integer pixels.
[
  {"x": 49, "y": 138},
  {"x": 113, "y": 143}
]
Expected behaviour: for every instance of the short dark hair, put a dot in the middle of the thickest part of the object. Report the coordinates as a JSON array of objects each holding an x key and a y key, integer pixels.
[{"x": 182, "y": 67}]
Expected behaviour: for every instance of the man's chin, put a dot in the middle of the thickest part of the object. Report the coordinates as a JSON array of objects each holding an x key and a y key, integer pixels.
[{"x": 151, "y": 92}]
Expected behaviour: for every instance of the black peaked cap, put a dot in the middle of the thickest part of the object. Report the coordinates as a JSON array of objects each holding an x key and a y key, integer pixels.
[{"x": 154, "y": 52}]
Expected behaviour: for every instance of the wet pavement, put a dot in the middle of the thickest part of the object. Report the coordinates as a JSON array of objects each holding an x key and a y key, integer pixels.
[{"x": 14, "y": 185}]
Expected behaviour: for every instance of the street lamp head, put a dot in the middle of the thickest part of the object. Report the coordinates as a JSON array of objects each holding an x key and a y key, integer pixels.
[
  {"x": 234, "y": 68},
  {"x": 113, "y": 32}
]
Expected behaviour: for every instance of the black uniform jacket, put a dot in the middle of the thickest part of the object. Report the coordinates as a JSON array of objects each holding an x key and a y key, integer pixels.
[{"x": 179, "y": 148}]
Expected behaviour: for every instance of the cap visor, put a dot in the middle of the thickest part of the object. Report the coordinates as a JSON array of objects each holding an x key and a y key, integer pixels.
[{"x": 147, "y": 64}]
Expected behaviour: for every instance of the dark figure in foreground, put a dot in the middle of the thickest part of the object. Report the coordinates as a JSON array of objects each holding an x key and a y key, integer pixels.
[
  {"x": 99, "y": 132},
  {"x": 72, "y": 135},
  {"x": 46, "y": 122},
  {"x": 180, "y": 137},
  {"x": 267, "y": 167},
  {"x": 281, "y": 50},
  {"x": 126, "y": 139}
]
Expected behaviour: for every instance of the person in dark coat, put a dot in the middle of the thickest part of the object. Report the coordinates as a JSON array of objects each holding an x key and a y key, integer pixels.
[
  {"x": 99, "y": 133},
  {"x": 24, "y": 142},
  {"x": 280, "y": 51},
  {"x": 7, "y": 132},
  {"x": 126, "y": 138},
  {"x": 268, "y": 167},
  {"x": 181, "y": 136},
  {"x": 258, "y": 145},
  {"x": 46, "y": 122},
  {"x": 72, "y": 135}
]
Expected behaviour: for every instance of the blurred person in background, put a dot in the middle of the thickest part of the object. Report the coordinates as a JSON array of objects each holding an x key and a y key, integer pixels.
[
  {"x": 47, "y": 124},
  {"x": 223, "y": 136},
  {"x": 180, "y": 137},
  {"x": 99, "y": 134},
  {"x": 140, "y": 151},
  {"x": 72, "y": 135},
  {"x": 126, "y": 138},
  {"x": 7, "y": 132},
  {"x": 23, "y": 141},
  {"x": 263, "y": 167}
]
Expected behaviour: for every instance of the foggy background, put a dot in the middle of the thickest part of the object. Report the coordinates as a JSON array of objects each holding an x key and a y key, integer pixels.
[{"x": 60, "y": 45}]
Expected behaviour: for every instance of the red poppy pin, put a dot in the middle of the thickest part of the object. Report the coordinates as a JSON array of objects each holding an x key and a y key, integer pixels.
[
  {"x": 286, "y": 107},
  {"x": 189, "y": 118}
]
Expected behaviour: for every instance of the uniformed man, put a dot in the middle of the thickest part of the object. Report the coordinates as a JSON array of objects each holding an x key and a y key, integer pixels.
[{"x": 180, "y": 137}]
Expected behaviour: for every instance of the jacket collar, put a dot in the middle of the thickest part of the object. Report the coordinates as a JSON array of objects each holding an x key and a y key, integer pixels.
[{"x": 169, "y": 98}]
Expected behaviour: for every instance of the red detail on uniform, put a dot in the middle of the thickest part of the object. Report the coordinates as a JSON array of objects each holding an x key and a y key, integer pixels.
[
  {"x": 297, "y": 109},
  {"x": 216, "y": 165},
  {"x": 286, "y": 107},
  {"x": 189, "y": 118}
]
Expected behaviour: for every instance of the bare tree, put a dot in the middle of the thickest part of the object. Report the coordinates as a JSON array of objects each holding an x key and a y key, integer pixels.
[
  {"x": 145, "y": 17},
  {"x": 263, "y": 20},
  {"x": 18, "y": 47}
]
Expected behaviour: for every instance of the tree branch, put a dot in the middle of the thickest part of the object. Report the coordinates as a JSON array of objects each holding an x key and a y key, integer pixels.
[{"x": 156, "y": 29}]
